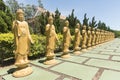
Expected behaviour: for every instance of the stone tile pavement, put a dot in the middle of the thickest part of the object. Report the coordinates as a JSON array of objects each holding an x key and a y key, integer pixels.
[{"x": 100, "y": 63}]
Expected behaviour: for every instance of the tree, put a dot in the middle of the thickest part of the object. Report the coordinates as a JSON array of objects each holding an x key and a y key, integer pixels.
[
  {"x": 2, "y": 5},
  {"x": 102, "y": 25},
  {"x": 57, "y": 21},
  {"x": 72, "y": 21},
  {"x": 93, "y": 23},
  {"x": 13, "y": 5},
  {"x": 28, "y": 11},
  {"x": 40, "y": 23},
  {"x": 85, "y": 20},
  {"x": 5, "y": 18}
]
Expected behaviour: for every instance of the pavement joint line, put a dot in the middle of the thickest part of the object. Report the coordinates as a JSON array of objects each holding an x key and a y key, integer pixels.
[
  {"x": 110, "y": 58},
  {"x": 98, "y": 74},
  {"x": 86, "y": 61},
  {"x": 109, "y": 54},
  {"x": 55, "y": 72},
  {"x": 91, "y": 65},
  {"x": 0, "y": 77},
  {"x": 55, "y": 65},
  {"x": 115, "y": 50},
  {"x": 61, "y": 77},
  {"x": 100, "y": 58}
]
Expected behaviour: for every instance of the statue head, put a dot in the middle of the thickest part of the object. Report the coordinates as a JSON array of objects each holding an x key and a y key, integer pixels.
[
  {"x": 67, "y": 23},
  {"x": 78, "y": 25},
  {"x": 98, "y": 30},
  {"x": 89, "y": 28},
  {"x": 84, "y": 27},
  {"x": 50, "y": 20},
  {"x": 20, "y": 15},
  {"x": 93, "y": 29}
]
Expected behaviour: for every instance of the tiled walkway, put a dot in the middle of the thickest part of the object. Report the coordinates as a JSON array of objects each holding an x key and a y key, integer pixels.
[{"x": 100, "y": 63}]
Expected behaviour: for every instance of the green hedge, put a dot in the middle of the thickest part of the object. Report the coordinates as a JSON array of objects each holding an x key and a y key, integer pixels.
[
  {"x": 37, "y": 49},
  {"x": 6, "y": 45}
]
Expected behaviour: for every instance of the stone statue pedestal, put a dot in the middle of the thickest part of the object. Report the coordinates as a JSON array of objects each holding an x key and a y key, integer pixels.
[
  {"x": 23, "y": 70},
  {"x": 77, "y": 52},
  {"x": 89, "y": 48},
  {"x": 50, "y": 60},
  {"x": 65, "y": 55},
  {"x": 93, "y": 46},
  {"x": 84, "y": 50}
]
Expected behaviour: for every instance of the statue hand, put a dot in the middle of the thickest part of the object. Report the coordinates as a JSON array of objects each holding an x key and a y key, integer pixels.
[
  {"x": 16, "y": 23},
  {"x": 32, "y": 41}
]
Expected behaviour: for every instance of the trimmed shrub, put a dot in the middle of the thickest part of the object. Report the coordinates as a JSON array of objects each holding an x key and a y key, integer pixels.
[
  {"x": 6, "y": 45},
  {"x": 37, "y": 49}
]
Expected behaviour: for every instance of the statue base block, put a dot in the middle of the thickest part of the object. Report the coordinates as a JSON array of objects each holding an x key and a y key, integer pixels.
[
  {"x": 93, "y": 46},
  {"x": 50, "y": 62},
  {"x": 77, "y": 52},
  {"x": 65, "y": 55},
  {"x": 89, "y": 48},
  {"x": 84, "y": 50},
  {"x": 22, "y": 72}
]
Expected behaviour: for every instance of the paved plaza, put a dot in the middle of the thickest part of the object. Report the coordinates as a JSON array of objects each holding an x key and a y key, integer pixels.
[{"x": 100, "y": 63}]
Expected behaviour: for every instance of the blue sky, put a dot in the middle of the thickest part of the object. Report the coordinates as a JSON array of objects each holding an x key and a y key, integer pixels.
[{"x": 107, "y": 11}]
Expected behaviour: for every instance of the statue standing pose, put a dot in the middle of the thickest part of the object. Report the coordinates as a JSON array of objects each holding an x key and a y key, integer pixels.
[
  {"x": 51, "y": 38},
  {"x": 77, "y": 40},
  {"x": 97, "y": 36},
  {"x": 89, "y": 38},
  {"x": 22, "y": 41},
  {"x": 84, "y": 38},
  {"x": 93, "y": 37},
  {"x": 66, "y": 40}
]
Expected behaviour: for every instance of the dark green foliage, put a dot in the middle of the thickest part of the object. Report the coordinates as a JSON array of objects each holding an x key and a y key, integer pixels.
[
  {"x": 102, "y": 25},
  {"x": 40, "y": 23},
  {"x": 2, "y": 6},
  {"x": 93, "y": 23},
  {"x": 85, "y": 20},
  {"x": 117, "y": 33},
  {"x": 5, "y": 18},
  {"x": 3, "y": 26},
  {"x": 57, "y": 21},
  {"x": 72, "y": 21}
]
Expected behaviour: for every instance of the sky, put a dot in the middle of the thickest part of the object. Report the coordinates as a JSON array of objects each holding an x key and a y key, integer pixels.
[{"x": 107, "y": 11}]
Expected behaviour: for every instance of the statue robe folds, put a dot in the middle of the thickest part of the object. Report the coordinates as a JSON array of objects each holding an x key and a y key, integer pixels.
[
  {"x": 66, "y": 39},
  {"x": 50, "y": 39},
  {"x": 22, "y": 37}
]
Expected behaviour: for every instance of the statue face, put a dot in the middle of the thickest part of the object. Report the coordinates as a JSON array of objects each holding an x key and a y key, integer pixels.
[
  {"x": 20, "y": 16},
  {"x": 84, "y": 27},
  {"x": 89, "y": 28},
  {"x": 51, "y": 22},
  {"x": 78, "y": 25},
  {"x": 66, "y": 23}
]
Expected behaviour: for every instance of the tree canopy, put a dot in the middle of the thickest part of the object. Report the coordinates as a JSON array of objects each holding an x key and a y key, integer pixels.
[{"x": 5, "y": 18}]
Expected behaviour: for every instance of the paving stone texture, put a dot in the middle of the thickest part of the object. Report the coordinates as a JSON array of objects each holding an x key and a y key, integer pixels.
[{"x": 100, "y": 63}]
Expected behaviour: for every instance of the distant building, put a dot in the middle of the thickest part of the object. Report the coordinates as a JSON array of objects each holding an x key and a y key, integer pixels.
[{"x": 42, "y": 10}]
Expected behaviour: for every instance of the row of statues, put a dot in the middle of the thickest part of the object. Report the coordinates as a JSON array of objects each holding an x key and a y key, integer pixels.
[
  {"x": 88, "y": 39},
  {"x": 22, "y": 38}
]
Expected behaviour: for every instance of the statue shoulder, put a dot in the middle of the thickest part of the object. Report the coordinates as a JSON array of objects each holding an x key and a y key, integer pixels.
[
  {"x": 83, "y": 31},
  {"x": 25, "y": 22},
  {"x": 47, "y": 25},
  {"x": 65, "y": 28}
]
